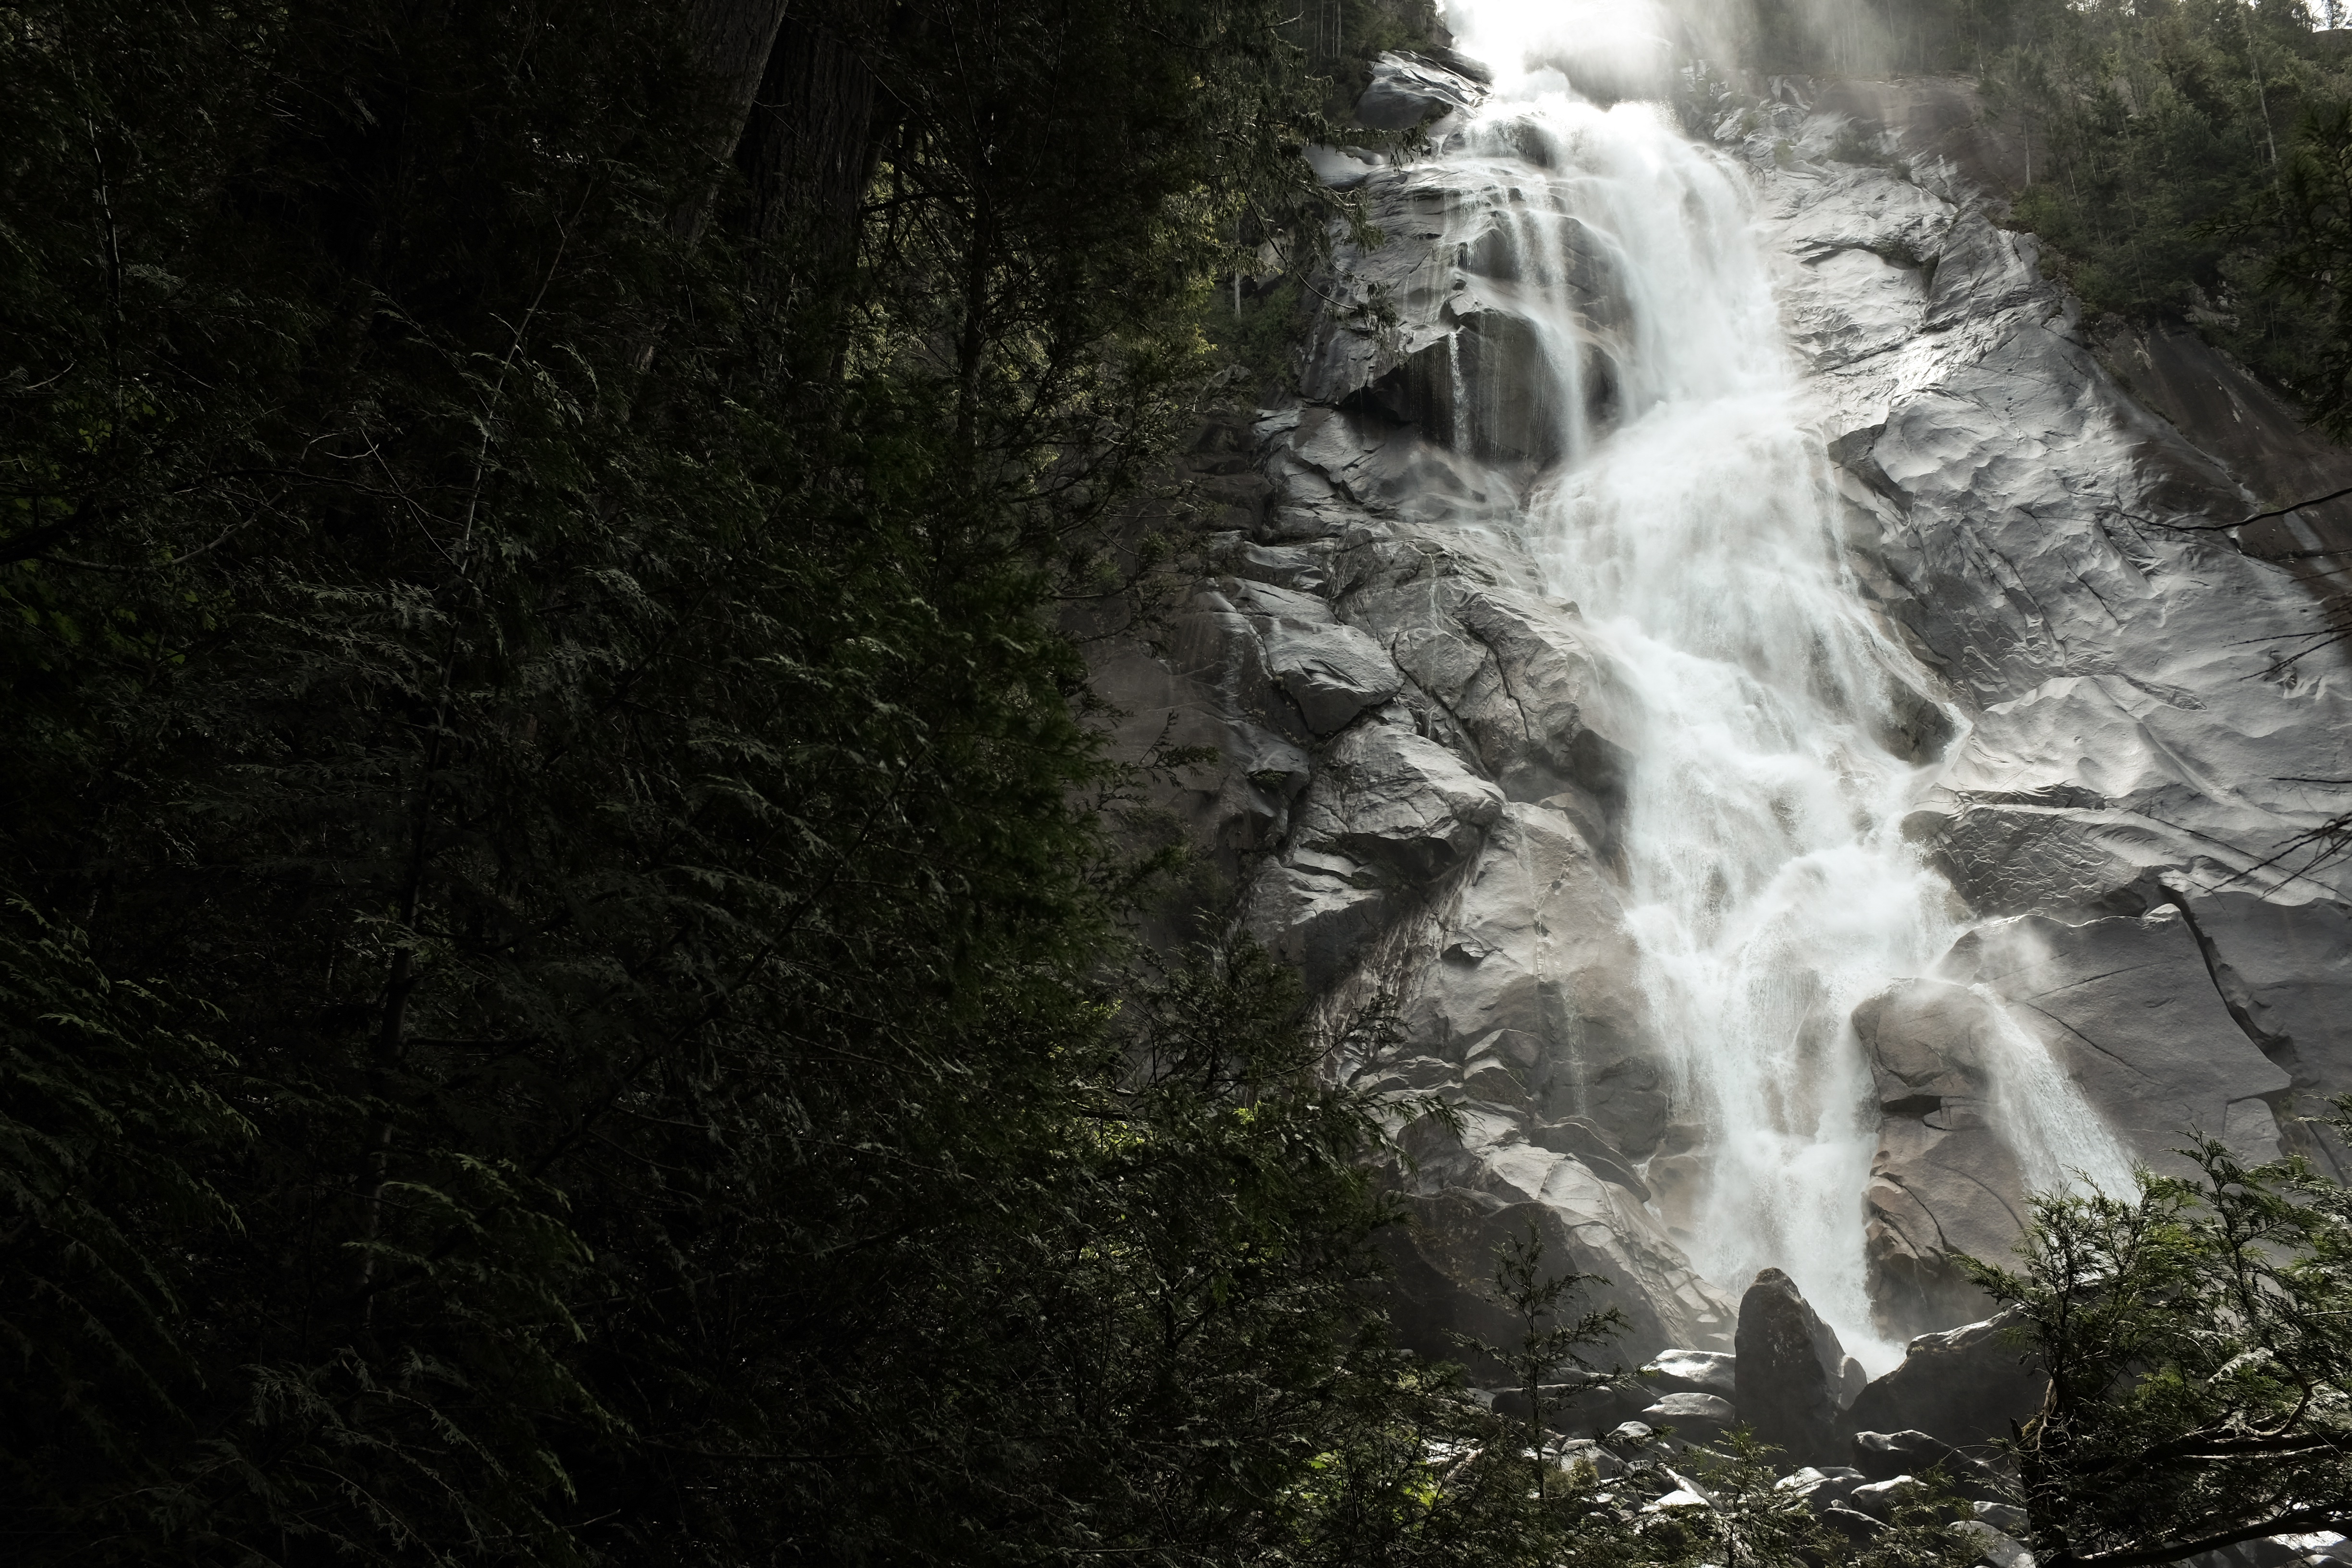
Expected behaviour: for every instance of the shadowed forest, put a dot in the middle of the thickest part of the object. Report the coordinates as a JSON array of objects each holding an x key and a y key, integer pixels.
[{"x": 571, "y": 985}]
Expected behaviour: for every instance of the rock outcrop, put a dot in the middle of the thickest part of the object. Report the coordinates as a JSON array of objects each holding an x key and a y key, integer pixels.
[
  {"x": 2118, "y": 711},
  {"x": 1789, "y": 1369},
  {"x": 1965, "y": 1386}
]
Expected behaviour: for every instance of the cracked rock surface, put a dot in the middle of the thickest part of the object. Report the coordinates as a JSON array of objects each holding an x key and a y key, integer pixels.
[{"x": 1419, "y": 751}]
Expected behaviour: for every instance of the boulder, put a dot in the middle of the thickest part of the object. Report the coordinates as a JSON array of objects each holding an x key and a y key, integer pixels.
[
  {"x": 2002, "y": 1516},
  {"x": 1850, "y": 1523},
  {"x": 1883, "y": 1456},
  {"x": 1586, "y": 1452},
  {"x": 1837, "y": 1484},
  {"x": 1692, "y": 1371},
  {"x": 1966, "y": 1387},
  {"x": 1787, "y": 1386},
  {"x": 1879, "y": 1500},
  {"x": 1853, "y": 1378},
  {"x": 1572, "y": 1407},
  {"x": 1692, "y": 1417},
  {"x": 1993, "y": 1547}
]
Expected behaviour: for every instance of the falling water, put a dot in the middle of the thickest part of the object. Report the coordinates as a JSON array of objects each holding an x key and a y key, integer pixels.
[
  {"x": 2060, "y": 1144},
  {"x": 1692, "y": 515}
]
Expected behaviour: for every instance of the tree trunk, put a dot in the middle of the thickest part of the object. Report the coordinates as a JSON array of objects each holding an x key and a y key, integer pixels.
[
  {"x": 731, "y": 41},
  {"x": 810, "y": 143}
]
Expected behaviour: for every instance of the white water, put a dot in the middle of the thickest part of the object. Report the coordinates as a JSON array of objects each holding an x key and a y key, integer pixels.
[{"x": 1769, "y": 884}]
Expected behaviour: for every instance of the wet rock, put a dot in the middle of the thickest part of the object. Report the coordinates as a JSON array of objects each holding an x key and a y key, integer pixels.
[
  {"x": 1786, "y": 1386},
  {"x": 1317, "y": 918},
  {"x": 1575, "y": 1135},
  {"x": 1693, "y": 1371},
  {"x": 1203, "y": 688},
  {"x": 1966, "y": 1387},
  {"x": 2129, "y": 1009},
  {"x": 1386, "y": 798},
  {"x": 1944, "y": 1180},
  {"x": 2284, "y": 971},
  {"x": 1533, "y": 944},
  {"x": 1692, "y": 1417},
  {"x": 1470, "y": 1196},
  {"x": 1559, "y": 716},
  {"x": 1303, "y": 569},
  {"x": 1407, "y": 89}
]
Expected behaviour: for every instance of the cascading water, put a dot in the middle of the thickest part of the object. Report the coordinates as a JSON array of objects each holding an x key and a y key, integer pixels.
[{"x": 1686, "y": 504}]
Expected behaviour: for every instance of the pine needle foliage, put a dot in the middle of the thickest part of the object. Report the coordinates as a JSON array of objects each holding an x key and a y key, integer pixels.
[{"x": 2200, "y": 1366}]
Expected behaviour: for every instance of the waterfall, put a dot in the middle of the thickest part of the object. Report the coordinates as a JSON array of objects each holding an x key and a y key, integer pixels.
[{"x": 1689, "y": 510}]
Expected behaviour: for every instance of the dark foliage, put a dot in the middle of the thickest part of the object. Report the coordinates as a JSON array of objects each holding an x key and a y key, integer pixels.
[
  {"x": 2195, "y": 1334},
  {"x": 537, "y": 654}
]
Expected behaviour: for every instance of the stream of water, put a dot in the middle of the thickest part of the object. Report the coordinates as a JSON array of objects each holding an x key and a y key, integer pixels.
[{"x": 1694, "y": 519}]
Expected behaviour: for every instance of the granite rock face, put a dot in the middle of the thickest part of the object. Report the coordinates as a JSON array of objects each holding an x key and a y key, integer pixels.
[
  {"x": 1422, "y": 746},
  {"x": 1406, "y": 90}
]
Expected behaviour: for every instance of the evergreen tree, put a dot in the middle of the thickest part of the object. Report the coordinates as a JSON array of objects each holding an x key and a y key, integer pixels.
[
  {"x": 530, "y": 538},
  {"x": 2197, "y": 1342}
]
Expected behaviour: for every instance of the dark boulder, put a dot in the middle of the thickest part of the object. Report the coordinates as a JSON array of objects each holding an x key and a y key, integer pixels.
[
  {"x": 1965, "y": 1386},
  {"x": 1788, "y": 1371},
  {"x": 1879, "y": 1500},
  {"x": 1572, "y": 1409},
  {"x": 1854, "y": 1525}
]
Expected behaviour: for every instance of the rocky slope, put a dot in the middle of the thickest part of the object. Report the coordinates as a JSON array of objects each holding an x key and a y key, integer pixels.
[{"x": 1423, "y": 749}]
